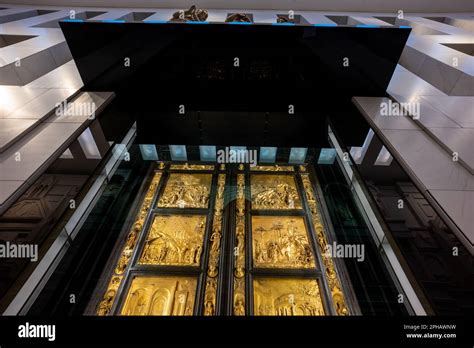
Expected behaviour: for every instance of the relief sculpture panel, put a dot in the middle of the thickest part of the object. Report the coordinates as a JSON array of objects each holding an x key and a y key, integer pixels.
[
  {"x": 186, "y": 191},
  {"x": 239, "y": 249},
  {"x": 274, "y": 192},
  {"x": 160, "y": 296},
  {"x": 174, "y": 240},
  {"x": 287, "y": 297},
  {"x": 281, "y": 242},
  {"x": 210, "y": 300}
]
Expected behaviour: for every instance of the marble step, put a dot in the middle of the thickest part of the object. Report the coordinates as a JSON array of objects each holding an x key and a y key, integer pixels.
[
  {"x": 431, "y": 53},
  {"x": 11, "y": 15},
  {"x": 447, "y": 126},
  {"x": 16, "y": 124},
  {"x": 34, "y": 65}
]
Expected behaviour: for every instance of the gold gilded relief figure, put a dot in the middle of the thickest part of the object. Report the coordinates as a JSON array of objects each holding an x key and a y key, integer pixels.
[
  {"x": 160, "y": 296},
  {"x": 106, "y": 303},
  {"x": 186, "y": 191},
  {"x": 210, "y": 297},
  {"x": 338, "y": 298},
  {"x": 174, "y": 240},
  {"x": 239, "y": 296},
  {"x": 284, "y": 19},
  {"x": 215, "y": 239},
  {"x": 275, "y": 192},
  {"x": 238, "y": 17},
  {"x": 281, "y": 242},
  {"x": 287, "y": 297},
  {"x": 239, "y": 250}
]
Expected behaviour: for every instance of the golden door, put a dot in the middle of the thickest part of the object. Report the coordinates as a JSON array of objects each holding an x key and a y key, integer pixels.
[{"x": 226, "y": 240}]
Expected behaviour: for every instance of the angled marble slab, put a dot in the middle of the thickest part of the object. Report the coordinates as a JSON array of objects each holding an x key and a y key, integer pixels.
[
  {"x": 93, "y": 101},
  {"x": 444, "y": 27},
  {"x": 373, "y": 107},
  {"x": 14, "y": 97},
  {"x": 449, "y": 134},
  {"x": 27, "y": 60},
  {"x": 407, "y": 84},
  {"x": 434, "y": 62},
  {"x": 166, "y": 14},
  {"x": 458, "y": 109},
  {"x": 35, "y": 63},
  {"x": 11, "y": 129},
  {"x": 461, "y": 141},
  {"x": 32, "y": 151},
  {"x": 433, "y": 167},
  {"x": 65, "y": 76},
  {"x": 25, "y": 107},
  {"x": 14, "y": 14},
  {"x": 370, "y": 20},
  {"x": 316, "y": 17},
  {"x": 40, "y": 17},
  {"x": 23, "y": 162},
  {"x": 428, "y": 115},
  {"x": 428, "y": 165},
  {"x": 40, "y": 107},
  {"x": 7, "y": 188},
  {"x": 427, "y": 55}
]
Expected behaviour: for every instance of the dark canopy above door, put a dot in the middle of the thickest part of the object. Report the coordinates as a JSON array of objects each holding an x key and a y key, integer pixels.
[{"x": 271, "y": 81}]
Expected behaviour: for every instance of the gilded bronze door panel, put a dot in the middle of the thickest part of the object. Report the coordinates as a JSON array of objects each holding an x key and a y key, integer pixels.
[
  {"x": 217, "y": 240},
  {"x": 174, "y": 240},
  {"x": 160, "y": 296},
  {"x": 281, "y": 242},
  {"x": 170, "y": 263},
  {"x": 287, "y": 296},
  {"x": 186, "y": 191},
  {"x": 286, "y": 270},
  {"x": 274, "y": 192}
]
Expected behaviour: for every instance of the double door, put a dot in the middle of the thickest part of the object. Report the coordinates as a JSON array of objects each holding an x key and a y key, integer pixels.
[{"x": 226, "y": 240}]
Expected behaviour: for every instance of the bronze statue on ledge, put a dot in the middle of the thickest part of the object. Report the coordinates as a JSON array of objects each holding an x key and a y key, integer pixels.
[
  {"x": 284, "y": 19},
  {"x": 193, "y": 14},
  {"x": 238, "y": 17}
]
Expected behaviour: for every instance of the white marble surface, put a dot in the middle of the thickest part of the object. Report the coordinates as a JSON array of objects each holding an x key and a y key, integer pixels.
[
  {"x": 34, "y": 151},
  {"x": 431, "y": 117},
  {"x": 65, "y": 76},
  {"x": 14, "y": 97},
  {"x": 458, "y": 109},
  {"x": 7, "y": 188},
  {"x": 11, "y": 129},
  {"x": 425, "y": 54},
  {"x": 39, "y": 107},
  {"x": 459, "y": 140},
  {"x": 405, "y": 83},
  {"x": 432, "y": 166},
  {"x": 373, "y": 110}
]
